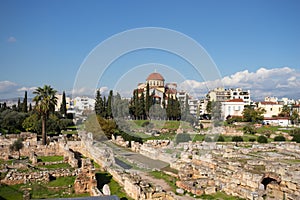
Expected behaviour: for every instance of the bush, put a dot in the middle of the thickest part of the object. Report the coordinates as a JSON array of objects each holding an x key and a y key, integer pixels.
[
  {"x": 279, "y": 138},
  {"x": 183, "y": 137},
  {"x": 296, "y": 138},
  {"x": 221, "y": 139},
  {"x": 146, "y": 123},
  {"x": 252, "y": 139},
  {"x": 262, "y": 139},
  {"x": 237, "y": 139},
  {"x": 249, "y": 130}
]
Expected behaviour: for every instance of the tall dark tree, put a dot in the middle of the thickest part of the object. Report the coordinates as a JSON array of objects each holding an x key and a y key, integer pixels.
[
  {"x": 104, "y": 112},
  {"x": 136, "y": 103},
  {"x": 147, "y": 100},
  {"x": 19, "y": 107},
  {"x": 109, "y": 105},
  {"x": 98, "y": 103},
  {"x": 45, "y": 100},
  {"x": 24, "y": 104},
  {"x": 63, "y": 106},
  {"x": 30, "y": 107},
  {"x": 141, "y": 108}
]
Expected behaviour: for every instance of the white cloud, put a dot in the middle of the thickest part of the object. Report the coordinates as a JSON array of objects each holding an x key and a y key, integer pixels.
[
  {"x": 11, "y": 39},
  {"x": 6, "y": 86},
  {"x": 278, "y": 82},
  {"x": 9, "y": 89},
  {"x": 28, "y": 89}
]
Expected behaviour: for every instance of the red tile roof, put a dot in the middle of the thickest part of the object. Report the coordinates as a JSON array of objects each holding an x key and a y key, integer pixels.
[
  {"x": 268, "y": 103},
  {"x": 155, "y": 76},
  {"x": 235, "y": 100}
]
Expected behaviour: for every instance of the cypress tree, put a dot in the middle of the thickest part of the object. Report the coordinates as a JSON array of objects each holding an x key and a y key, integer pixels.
[
  {"x": 98, "y": 103},
  {"x": 30, "y": 107},
  {"x": 24, "y": 107},
  {"x": 136, "y": 103},
  {"x": 63, "y": 106},
  {"x": 148, "y": 100},
  {"x": 104, "y": 112},
  {"x": 186, "y": 106},
  {"x": 142, "y": 112},
  {"x": 109, "y": 105},
  {"x": 19, "y": 108}
]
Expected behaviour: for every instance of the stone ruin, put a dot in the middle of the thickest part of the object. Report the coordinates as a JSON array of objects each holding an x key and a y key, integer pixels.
[{"x": 86, "y": 179}]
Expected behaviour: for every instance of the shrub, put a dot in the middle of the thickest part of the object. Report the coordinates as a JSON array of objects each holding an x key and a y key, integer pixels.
[
  {"x": 183, "y": 137},
  {"x": 279, "y": 138},
  {"x": 296, "y": 138},
  {"x": 221, "y": 139},
  {"x": 249, "y": 130},
  {"x": 262, "y": 139},
  {"x": 146, "y": 123},
  {"x": 237, "y": 139},
  {"x": 252, "y": 139}
]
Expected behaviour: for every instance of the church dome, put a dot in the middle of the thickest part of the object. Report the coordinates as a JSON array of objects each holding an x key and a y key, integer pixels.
[{"x": 155, "y": 76}]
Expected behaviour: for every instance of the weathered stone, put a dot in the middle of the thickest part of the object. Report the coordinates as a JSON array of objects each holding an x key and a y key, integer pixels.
[{"x": 106, "y": 190}]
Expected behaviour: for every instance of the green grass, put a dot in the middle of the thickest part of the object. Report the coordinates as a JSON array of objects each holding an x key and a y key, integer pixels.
[
  {"x": 170, "y": 180},
  {"x": 70, "y": 132},
  {"x": 62, "y": 181},
  {"x": 162, "y": 136},
  {"x": 220, "y": 196},
  {"x": 169, "y": 169},
  {"x": 10, "y": 192},
  {"x": 50, "y": 158},
  {"x": 41, "y": 191},
  {"x": 115, "y": 189},
  {"x": 56, "y": 166}
]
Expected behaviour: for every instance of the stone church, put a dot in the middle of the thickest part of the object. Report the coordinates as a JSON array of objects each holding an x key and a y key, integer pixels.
[{"x": 158, "y": 88}]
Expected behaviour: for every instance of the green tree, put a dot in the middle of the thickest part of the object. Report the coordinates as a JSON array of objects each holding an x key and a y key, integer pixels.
[
  {"x": 19, "y": 107},
  {"x": 253, "y": 115},
  {"x": 294, "y": 117},
  {"x": 31, "y": 123},
  {"x": 63, "y": 106},
  {"x": 30, "y": 107},
  {"x": 285, "y": 112},
  {"x": 17, "y": 146},
  {"x": 209, "y": 107},
  {"x": 147, "y": 100},
  {"x": 141, "y": 108},
  {"x": 24, "y": 104},
  {"x": 99, "y": 109},
  {"x": 45, "y": 100},
  {"x": 109, "y": 105}
]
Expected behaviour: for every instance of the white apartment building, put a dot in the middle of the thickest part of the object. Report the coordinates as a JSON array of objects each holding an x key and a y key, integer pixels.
[
  {"x": 83, "y": 103},
  {"x": 233, "y": 108},
  {"x": 222, "y": 95}
]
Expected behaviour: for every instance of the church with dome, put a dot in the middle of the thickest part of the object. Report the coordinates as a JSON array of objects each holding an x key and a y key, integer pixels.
[{"x": 158, "y": 88}]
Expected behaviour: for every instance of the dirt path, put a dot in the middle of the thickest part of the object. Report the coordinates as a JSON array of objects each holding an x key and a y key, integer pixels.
[{"x": 155, "y": 181}]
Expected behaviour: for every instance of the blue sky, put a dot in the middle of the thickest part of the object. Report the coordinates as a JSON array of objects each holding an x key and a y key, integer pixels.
[{"x": 46, "y": 42}]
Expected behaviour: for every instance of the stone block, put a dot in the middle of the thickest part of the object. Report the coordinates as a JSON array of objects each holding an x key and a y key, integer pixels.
[
  {"x": 210, "y": 190},
  {"x": 291, "y": 185}
]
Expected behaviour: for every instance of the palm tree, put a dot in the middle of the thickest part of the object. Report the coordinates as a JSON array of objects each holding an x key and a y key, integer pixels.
[{"x": 45, "y": 100}]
